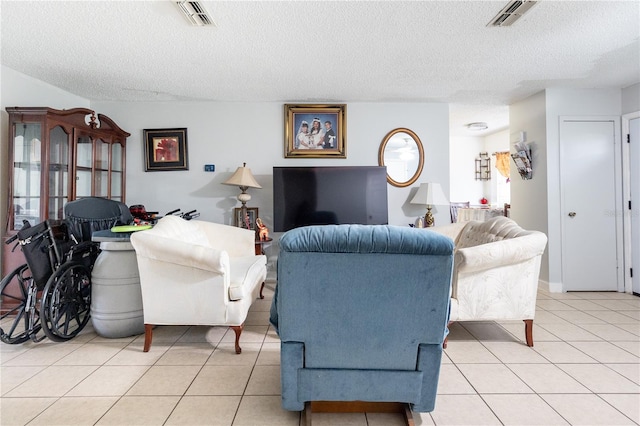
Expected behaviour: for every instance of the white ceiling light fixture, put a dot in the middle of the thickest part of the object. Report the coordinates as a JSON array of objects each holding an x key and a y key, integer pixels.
[
  {"x": 509, "y": 14},
  {"x": 195, "y": 13},
  {"x": 478, "y": 126}
]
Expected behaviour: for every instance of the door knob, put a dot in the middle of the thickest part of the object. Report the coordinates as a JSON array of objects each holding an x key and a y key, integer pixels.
[{"x": 572, "y": 214}]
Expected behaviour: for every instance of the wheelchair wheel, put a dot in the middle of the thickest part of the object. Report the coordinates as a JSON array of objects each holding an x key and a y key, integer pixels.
[
  {"x": 17, "y": 324},
  {"x": 66, "y": 302}
]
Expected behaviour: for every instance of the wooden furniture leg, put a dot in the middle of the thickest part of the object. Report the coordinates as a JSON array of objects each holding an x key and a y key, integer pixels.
[
  {"x": 357, "y": 407},
  {"x": 238, "y": 330},
  {"x": 307, "y": 414},
  {"x": 148, "y": 336},
  {"x": 262, "y": 288},
  {"x": 528, "y": 332},
  {"x": 446, "y": 339},
  {"x": 408, "y": 417}
]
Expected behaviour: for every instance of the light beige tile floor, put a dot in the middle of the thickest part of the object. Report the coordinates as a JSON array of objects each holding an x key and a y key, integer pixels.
[{"x": 583, "y": 370}]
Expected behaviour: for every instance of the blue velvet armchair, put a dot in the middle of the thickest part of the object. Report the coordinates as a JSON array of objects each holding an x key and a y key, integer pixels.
[{"x": 361, "y": 312}]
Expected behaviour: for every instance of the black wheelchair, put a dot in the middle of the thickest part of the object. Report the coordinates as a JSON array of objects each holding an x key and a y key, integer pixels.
[{"x": 51, "y": 292}]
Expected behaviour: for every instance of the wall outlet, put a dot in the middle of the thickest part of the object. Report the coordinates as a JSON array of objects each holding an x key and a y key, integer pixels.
[{"x": 209, "y": 168}]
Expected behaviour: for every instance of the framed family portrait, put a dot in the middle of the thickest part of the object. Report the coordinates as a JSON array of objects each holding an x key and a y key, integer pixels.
[
  {"x": 252, "y": 213},
  {"x": 165, "y": 149},
  {"x": 315, "y": 131}
]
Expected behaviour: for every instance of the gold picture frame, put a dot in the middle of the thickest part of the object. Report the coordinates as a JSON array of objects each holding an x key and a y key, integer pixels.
[{"x": 302, "y": 139}]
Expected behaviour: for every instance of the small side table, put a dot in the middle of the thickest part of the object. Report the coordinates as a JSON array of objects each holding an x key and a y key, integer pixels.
[
  {"x": 116, "y": 298},
  {"x": 260, "y": 250},
  {"x": 260, "y": 245}
]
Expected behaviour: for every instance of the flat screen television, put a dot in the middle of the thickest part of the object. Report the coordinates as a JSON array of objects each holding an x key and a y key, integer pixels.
[{"x": 305, "y": 196}]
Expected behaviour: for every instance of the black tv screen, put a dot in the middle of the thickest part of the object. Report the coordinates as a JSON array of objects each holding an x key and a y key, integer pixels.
[{"x": 305, "y": 196}]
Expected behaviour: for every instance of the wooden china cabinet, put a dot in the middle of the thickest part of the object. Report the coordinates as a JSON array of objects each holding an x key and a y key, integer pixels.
[{"x": 57, "y": 156}]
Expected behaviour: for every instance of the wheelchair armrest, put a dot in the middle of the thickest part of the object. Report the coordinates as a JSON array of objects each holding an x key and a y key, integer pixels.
[{"x": 83, "y": 250}]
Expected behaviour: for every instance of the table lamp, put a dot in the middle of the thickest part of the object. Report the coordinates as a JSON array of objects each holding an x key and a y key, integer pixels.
[
  {"x": 243, "y": 179},
  {"x": 429, "y": 194}
]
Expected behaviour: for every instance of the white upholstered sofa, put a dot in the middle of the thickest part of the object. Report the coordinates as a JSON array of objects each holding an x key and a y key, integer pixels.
[
  {"x": 197, "y": 273},
  {"x": 496, "y": 270}
]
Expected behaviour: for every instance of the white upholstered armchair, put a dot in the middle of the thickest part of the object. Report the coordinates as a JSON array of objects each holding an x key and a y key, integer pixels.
[
  {"x": 496, "y": 270},
  {"x": 197, "y": 273}
]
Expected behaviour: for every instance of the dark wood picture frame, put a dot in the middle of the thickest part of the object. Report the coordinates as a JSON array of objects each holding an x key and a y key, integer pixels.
[
  {"x": 252, "y": 212},
  {"x": 330, "y": 139},
  {"x": 165, "y": 150}
]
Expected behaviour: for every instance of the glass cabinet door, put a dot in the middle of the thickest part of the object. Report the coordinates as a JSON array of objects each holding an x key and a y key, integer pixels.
[
  {"x": 57, "y": 156},
  {"x": 101, "y": 177},
  {"x": 27, "y": 161},
  {"x": 84, "y": 152},
  {"x": 58, "y": 172},
  {"x": 116, "y": 171}
]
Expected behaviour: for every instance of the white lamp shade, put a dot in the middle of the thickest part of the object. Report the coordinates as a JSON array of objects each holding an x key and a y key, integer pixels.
[
  {"x": 430, "y": 194},
  {"x": 242, "y": 177}
]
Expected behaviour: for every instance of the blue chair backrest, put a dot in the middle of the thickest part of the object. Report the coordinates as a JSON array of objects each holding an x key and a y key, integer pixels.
[{"x": 363, "y": 296}]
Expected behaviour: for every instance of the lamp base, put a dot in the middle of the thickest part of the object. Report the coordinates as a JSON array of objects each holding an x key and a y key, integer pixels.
[
  {"x": 429, "y": 221},
  {"x": 245, "y": 217},
  {"x": 243, "y": 198}
]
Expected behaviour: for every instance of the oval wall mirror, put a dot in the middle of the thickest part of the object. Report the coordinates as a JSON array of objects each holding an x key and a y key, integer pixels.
[{"x": 401, "y": 151}]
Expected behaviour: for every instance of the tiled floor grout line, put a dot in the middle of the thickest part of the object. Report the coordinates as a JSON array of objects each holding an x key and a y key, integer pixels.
[
  {"x": 78, "y": 384},
  {"x": 609, "y": 404},
  {"x": 533, "y": 391},
  {"x": 555, "y": 364},
  {"x": 478, "y": 335},
  {"x": 253, "y": 367},
  {"x": 181, "y": 397},
  {"x": 595, "y": 360}
]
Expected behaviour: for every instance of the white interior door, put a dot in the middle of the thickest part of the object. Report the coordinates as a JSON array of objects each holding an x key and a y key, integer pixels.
[
  {"x": 588, "y": 205},
  {"x": 634, "y": 171}
]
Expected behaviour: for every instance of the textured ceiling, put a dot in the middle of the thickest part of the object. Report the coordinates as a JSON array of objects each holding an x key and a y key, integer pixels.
[{"x": 320, "y": 51}]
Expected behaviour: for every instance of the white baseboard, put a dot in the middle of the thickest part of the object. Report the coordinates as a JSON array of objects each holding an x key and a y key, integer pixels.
[
  {"x": 543, "y": 285},
  {"x": 554, "y": 287}
]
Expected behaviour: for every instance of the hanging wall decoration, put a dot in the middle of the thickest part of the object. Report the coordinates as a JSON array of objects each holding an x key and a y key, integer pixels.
[{"x": 165, "y": 150}]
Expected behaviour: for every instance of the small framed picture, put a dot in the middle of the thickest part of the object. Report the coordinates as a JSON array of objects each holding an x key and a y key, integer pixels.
[
  {"x": 165, "y": 150},
  {"x": 315, "y": 131},
  {"x": 248, "y": 222}
]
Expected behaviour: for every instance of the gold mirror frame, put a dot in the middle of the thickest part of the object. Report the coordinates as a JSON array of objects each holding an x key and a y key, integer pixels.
[{"x": 383, "y": 146}]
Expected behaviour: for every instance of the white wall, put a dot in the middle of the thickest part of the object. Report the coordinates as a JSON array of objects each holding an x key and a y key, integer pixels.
[
  {"x": 21, "y": 90},
  {"x": 568, "y": 102},
  {"x": 228, "y": 134},
  {"x": 631, "y": 99},
  {"x": 535, "y": 204},
  {"x": 463, "y": 151},
  {"x": 529, "y": 197},
  {"x": 496, "y": 142}
]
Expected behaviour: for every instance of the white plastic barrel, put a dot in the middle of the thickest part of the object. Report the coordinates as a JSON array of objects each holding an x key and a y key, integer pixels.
[{"x": 116, "y": 300}]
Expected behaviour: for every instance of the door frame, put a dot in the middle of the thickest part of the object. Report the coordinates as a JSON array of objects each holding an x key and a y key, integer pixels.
[
  {"x": 618, "y": 204},
  {"x": 626, "y": 185}
]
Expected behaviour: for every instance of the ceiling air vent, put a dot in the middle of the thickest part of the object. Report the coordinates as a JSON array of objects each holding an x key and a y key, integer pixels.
[
  {"x": 511, "y": 13},
  {"x": 195, "y": 13}
]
